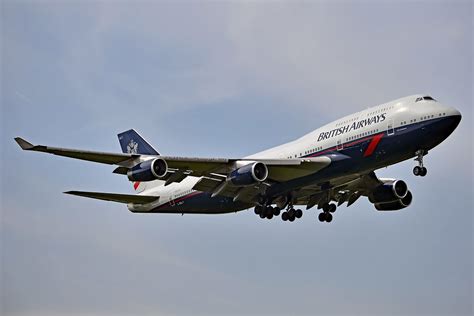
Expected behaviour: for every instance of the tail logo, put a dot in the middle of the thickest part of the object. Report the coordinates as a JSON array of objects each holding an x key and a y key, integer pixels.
[{"x": 132, "y": 147}]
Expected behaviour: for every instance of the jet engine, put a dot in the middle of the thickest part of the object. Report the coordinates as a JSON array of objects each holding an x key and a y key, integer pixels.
[
  {"x": 389, "y": 192},
  {"x": 396, "y": 205},
  {"x": 148, "y": 170},
  {"x": 249, "y": 174}
]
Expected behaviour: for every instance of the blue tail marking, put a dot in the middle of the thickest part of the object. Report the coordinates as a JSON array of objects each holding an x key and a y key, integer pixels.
[{"x": 132, "y": 143}]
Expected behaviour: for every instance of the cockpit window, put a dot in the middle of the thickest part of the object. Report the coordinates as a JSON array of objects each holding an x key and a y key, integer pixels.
[{"x": 426, "y": 98}]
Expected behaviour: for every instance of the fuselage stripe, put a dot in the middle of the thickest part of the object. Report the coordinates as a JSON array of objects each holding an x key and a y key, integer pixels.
[
  {"x": 373, "y": 144},
  {"x": 344, "y": 145}
]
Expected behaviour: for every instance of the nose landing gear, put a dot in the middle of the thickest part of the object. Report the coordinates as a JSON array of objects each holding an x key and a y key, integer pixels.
[{"x": 420, "y": 170}]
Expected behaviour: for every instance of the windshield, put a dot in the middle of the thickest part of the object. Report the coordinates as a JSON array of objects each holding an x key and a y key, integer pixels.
[{"x": 426, "y": 98}]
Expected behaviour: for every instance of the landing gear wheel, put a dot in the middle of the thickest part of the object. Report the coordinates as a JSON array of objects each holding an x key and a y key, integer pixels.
[
  {"x": 328, "y": 217},
  {"x": 298, "y": 213},
  {"x": 276, "y": 211},
  {"x": 424, "y": 171},
  {"x": 270, "y": 215},
  {"x": 285, "y": 216},
  {"x": 292, "y": 218},
  {"x": 332, "y": 208},
  {"x": 268, "y": 210},
  {"x": 417, "y": 171},
  {"x": 325, "y": 207},
  {"x": 262, "y": 215},
  {"x": 322, "y": 217},
  {"x": 420, "y": 170},
  {"x": 258, "y": 209}
]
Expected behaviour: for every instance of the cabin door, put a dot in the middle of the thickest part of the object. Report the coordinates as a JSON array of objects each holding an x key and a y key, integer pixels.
[{"x": 390, "y": 130}]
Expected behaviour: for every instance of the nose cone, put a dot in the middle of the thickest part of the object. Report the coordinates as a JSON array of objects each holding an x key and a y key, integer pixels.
[
  {"x": 456, "y": 118},
  {"x": 452, "y": 121},
  {"x": 458, "y": 114}
]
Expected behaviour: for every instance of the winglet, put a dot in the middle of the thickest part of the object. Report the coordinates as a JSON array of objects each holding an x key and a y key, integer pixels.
[{"x": 24, "y": 144}]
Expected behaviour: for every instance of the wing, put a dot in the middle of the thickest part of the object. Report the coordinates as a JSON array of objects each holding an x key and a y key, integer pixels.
[
  {"x": 100, "y": 157},
  {"x": 213, "y": 171},
  {"x": 279, "y": 169},
  {"x": 114, "y": 197}
]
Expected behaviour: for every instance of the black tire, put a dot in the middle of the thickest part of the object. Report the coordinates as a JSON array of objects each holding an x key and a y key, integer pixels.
[
  {"x": 325, "y": 207},
  {"x": 262, "y": 215},
  {"x": 258, "y": 209},
  {"x": 291, "y": 212},
  {"x": 285, "y": 216},
  {"x": 276, "y": 211},
  {"x": 291, "y": 218},
  {"x": 328, "y": 217},
  {"x": 424, "y": 171},
  {"x": 268, "y": 210},
  {"x": 322, "y": 217},
  {"x": 298, "y": 213},
  {"x": 270, "y": 216},
  {"x": 332, "y": 208},
  {"x": 417, "y": 171}
]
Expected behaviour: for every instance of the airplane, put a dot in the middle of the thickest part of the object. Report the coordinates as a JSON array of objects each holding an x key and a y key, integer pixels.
[{"x": 332, "y": 165}]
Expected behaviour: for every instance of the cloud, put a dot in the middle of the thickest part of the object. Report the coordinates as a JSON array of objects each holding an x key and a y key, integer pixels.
[{"x": 227, "y": 79}]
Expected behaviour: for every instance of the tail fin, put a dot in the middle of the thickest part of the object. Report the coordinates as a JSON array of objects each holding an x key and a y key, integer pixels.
[{"x": 132, "y": 143}]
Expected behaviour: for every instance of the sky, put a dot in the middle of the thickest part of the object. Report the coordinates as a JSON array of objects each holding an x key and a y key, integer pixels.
[{"x": 227, "y": 79}]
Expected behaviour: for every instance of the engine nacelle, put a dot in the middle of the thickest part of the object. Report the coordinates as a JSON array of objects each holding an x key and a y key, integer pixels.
[
  {"x": 148, "y": 170},
  {"x": 396, "y": 205},
  {"x": 389, "y": 192},
  {"x": 249, "y": 174}
]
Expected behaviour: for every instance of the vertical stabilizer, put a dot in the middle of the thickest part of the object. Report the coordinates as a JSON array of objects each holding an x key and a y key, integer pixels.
[{"x": 132, "y": 143}]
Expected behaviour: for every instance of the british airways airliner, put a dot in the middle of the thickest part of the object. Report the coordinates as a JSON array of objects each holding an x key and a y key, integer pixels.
[{"x": 332, "y": 165}]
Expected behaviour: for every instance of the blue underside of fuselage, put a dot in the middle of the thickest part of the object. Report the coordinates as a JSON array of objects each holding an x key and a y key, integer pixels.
[{"x": 391, "y": 149}]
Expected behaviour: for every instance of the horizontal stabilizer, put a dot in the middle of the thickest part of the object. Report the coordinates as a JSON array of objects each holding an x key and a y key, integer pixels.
[{"x": 114, "y": 197}]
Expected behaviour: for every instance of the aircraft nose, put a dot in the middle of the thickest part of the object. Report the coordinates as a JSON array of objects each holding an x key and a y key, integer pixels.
[
  {"x": 453, "y": 119},
  {"x": 456, "y": 115}
]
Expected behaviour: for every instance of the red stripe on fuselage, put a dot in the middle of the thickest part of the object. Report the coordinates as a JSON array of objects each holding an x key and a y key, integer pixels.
[
  {"x": 345, "y": 145},
  {"x": 372, "y": 145},
  {"x": 136, "y": 184}
]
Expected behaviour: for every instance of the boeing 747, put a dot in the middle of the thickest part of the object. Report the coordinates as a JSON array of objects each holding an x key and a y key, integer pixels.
[{"x": 332, "y": 165}]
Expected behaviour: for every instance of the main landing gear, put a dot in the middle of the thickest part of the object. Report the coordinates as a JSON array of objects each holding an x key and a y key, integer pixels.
[
  {"x": 291, "y": 214},
  {"x": 267, "y": 211},
  {"x": 420, "y": 170},
  {"x": 326, "y": 215}
]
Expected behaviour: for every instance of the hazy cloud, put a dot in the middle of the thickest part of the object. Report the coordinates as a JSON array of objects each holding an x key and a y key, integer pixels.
[{"x": 227, "y": 79}]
